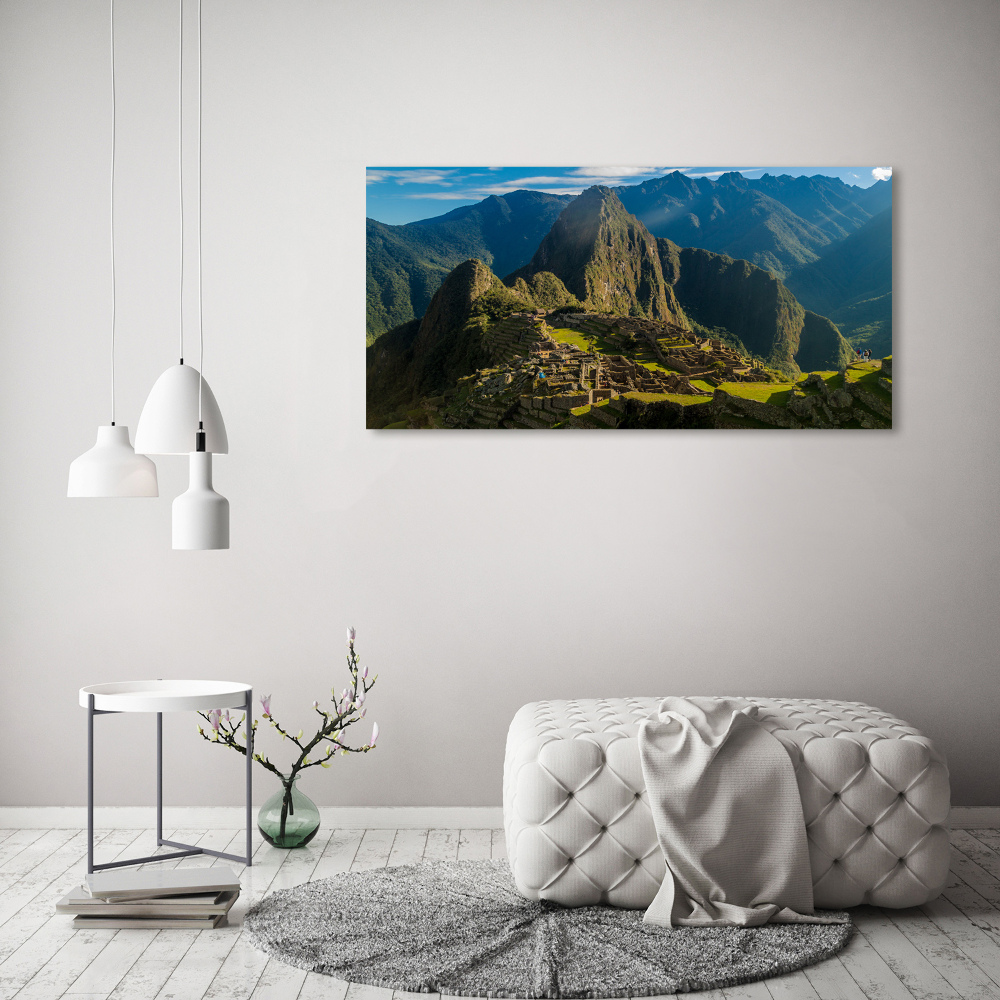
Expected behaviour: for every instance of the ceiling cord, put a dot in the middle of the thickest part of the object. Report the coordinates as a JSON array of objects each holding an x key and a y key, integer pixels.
[
  {"x": 201, "y": 331},
  {"x": 114, "y": 131},
  {"x": 180, "y": 162}
]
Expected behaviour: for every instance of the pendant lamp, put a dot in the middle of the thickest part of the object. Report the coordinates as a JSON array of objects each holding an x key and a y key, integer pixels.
[
  {"x": 200, "y": 515},
  {"x": 112, "y": 468},
  {"x": 169, "y": 421},
  {"x": 181, "y": 415}
]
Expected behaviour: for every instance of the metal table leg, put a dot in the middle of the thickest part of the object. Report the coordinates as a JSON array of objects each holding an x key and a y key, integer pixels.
[{"x": 185, "y": 850}]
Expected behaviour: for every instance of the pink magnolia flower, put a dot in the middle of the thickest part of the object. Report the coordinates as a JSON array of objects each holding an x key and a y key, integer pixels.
[
  {"x": 374, "y": 734},
  {"x": 214, "y": 717},
  {"x": 265, "y": 701},
  {"x": 351, "y": 633},
  {"x": 364, "y": 674}
]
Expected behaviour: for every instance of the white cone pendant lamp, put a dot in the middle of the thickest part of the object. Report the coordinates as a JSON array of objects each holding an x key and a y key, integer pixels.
[{"x": 111, "y": 468}]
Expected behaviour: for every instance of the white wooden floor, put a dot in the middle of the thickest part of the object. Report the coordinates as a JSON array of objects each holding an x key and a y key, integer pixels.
[{"x": 947, "y": 949}]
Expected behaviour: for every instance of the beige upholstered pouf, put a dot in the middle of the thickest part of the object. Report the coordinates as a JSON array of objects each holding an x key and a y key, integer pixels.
[{"x": 875, "y": 797}]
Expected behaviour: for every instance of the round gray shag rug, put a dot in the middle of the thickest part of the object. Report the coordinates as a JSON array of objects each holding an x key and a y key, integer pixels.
[{"x": 461, "y": 927}]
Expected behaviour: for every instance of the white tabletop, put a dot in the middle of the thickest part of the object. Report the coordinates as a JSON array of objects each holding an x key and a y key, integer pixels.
[{"x": 165, "y": 695}]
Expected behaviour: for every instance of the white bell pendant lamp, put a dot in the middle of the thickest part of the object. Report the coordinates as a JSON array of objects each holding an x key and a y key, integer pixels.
[
  {"x": 111, "y": 468},
  {"x": 169, "y": 421}
]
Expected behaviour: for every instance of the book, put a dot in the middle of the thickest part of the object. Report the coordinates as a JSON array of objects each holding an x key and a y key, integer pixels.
[
  {"x": 81, "y": 903},
  {"x": 193, "y": 923},
  {"x": 150, "y": 883}
]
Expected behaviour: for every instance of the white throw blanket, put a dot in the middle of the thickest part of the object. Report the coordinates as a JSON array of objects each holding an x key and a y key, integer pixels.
[{"x": 728, "y": 818}]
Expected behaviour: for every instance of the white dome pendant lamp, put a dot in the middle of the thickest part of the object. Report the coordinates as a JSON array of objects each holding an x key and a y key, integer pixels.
[
  {"x": 181, "y": 415},
  {"x": 111, "y": 468}
]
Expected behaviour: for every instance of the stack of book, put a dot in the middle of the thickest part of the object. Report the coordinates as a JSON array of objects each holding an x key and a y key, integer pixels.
[{"x": 175, "y": 897}]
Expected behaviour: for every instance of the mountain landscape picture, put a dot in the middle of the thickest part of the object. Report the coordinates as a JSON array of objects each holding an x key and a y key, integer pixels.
[{"x": 625, "y": 298}]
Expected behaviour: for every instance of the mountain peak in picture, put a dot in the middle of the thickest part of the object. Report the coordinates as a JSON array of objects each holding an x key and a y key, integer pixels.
[
  {"x": 606, "y": 258},
  {"x": 683, "y": 298}
]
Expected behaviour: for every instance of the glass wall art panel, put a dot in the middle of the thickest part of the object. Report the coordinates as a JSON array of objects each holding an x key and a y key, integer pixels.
[{"x": 619, "y": 298}]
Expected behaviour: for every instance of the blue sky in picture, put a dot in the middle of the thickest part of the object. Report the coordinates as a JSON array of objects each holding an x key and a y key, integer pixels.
[{"x": 404, "y": 194}]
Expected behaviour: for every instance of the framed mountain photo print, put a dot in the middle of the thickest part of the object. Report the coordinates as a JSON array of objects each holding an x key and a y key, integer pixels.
[{"x": 629, "y": 297}]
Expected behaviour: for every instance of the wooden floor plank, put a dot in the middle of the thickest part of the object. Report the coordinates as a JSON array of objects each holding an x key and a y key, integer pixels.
[
  {"x": 359, "y": 991},
  {"x": 32, "y": 855},
  {"x": 193, "y": 974},
  {"x": 475, "y": 845},
  {"x": 748, "y": 991},
  {"x": 374, "y": 850},
  {"x": 832, "y": 981},
  {"x": 991, "y": 838},
  {"x": 106, "y": 971},
  {"x": 442, "y": 845},
  {"x": 153, "y": 967},
  {"x": 407, "y": 847},
  {"x": 792, "y": 986},
  {"x": 912, "y": 969},
  {"x": 339, "y": 853},
  {"x": 974, "y": 849},
  {"x": 317, "y": 987},
  {"x": 967, "y": 935},
  {"x": 870, "y": 970},
  {"x": 240, "y": 972},
  {"x": 17, "y": 842},
  {"x": 32, "y": 933},
  {"x": 974, "y": 875},
  {"x": 965, "y": 977},
  {"x": 499, "y": 845},
  {"x": 70, "y": 857},
  {"x": 279, "y": 982},
  {"x": 67, "y": 964},
  {"x": 977, "y": 909}
]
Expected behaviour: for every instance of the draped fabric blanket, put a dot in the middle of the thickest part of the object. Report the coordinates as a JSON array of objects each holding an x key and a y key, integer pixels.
[{"x": 728, "y": 818}]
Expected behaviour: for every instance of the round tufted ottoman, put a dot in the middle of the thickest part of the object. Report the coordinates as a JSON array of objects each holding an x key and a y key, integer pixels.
[{"x": 875, "y": 797}]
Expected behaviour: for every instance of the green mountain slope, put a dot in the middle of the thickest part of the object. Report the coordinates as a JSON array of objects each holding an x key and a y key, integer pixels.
[
  {"x": 406, "y": 264},
  {"x": 852, "y": 284},
  {"x": 427, "y": 356},
  {"x": 606, "y": 258},
  {"x": 755, "y": 308}
]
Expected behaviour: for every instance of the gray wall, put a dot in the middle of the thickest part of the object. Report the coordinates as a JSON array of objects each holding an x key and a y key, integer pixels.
[{"x": 481, "y": 570}]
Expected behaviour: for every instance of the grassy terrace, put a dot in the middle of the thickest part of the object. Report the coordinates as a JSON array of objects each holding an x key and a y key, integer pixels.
[
  {"x": 774, "y": 393},
  {"x": 572, "y": 337},
  {"x": 674, "y": 397}
]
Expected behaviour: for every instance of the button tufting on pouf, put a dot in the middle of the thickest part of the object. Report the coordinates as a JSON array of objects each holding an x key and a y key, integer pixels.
[{"x": 579, "y": 831}]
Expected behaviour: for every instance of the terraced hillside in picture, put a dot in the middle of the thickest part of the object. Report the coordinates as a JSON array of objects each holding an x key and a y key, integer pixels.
[{"x": 691, "y": 299}]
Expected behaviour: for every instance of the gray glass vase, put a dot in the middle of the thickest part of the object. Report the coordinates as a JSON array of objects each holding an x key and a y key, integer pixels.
[{"x": 289, "y": 818}]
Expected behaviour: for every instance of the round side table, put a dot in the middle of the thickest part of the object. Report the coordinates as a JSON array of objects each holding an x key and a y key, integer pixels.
[{"x": 161, "y": 696}]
